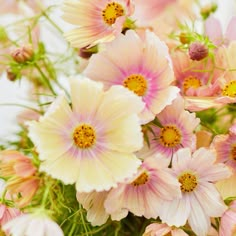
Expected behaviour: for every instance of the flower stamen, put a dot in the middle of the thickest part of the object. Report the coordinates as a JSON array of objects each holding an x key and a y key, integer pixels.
[
  {"x": 191, "y": 82},
  {"x": 84, "y": 136},
  {"x": 188, "y": 182},
  {"x": 140, "y": 180},
  {"x": 136, "y": 83},
  {"x": 170, "y": 136},
  {"x": 230, "y": 89},
  {"x": 233, "y": 153},
  {"x": 112, "y": 11}
]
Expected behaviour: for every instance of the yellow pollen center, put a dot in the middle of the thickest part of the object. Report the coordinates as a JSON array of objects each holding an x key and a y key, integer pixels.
[
  {"x": 230, "y": 89},
  {"x": 142, "y": 179},
  {"x": 188, "y": 182},
  {"x": 112, "y": 11},
  {"x": 191, "y": 82},
  {"x": 170, "y": 136},
  {"x": 136, "y": 83},
  {"x": 84, "y": 136},
  {"x": 233, "y": 152}
]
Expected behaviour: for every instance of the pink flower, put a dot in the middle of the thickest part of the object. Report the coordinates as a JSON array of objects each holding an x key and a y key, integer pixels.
[
  {"x": 142, "y": 194},
  {"x": 228, "y": 221},
  {"x": 21, "y": 176},
  {"x": 7, "y": 214},
  {"x": 158, "y": 229},
  {"x": 132, "y": 62},
  {"x": 200, "y": 200},
  {"x": 98, "y": 20},
  {"x": 225, "y": 146},
  {"x": 213, "y": 30},
  {"x": 195, "y": 78},
  {"x": 176, "y": 131}
]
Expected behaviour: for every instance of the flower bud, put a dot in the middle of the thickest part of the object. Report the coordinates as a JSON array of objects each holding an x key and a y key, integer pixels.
[
  {"x": 22, "y": 54},
  {"x": 198, "y": 51},
  {"x": 87, "y": 52},
  {"x": 11, "y": 75},
  {"x": 184, "y": 38}
]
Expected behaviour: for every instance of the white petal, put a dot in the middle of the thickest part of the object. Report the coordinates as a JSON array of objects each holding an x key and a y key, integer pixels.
[
  {"x": 86, "y": 95},
  {"x": 125, "y": 135},
  {"x": 210, "y": 200},
  {"x": 119, "y": 102},
  {"x": 175, "y": 212},
  {"x": 198, "y": 220}
]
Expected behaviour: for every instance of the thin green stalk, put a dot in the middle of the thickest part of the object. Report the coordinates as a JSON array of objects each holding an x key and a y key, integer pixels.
[{"x": 45, "y": 79}]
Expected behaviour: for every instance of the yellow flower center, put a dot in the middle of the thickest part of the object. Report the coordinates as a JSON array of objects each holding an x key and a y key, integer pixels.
[
  {"x": 170, "y": 136},
  {"x": 136, "y": 83},
  {"x": 112, "y": 11},
  {"x": 84, "y": 136},
  {"x": 142, "y": 179},
  {"x": 230, "y": 89},
  {"x": 191, "y": 82},
  {"x": 233, "y": 153},
  {"x": 188, "y": 182}
]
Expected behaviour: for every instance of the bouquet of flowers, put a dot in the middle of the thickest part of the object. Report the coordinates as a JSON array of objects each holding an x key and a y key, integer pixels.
[{"x": 132, "y": 124}]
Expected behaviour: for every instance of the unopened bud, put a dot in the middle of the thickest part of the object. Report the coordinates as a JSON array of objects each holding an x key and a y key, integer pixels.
[
  {"x": 198, "y": 51},
  {"x": 207, "y": 10},
  {"x": 11, "y": 75},
  {"x": 23, "y": 54},
  {"x": 184, "y": 38},
  {"x": 87, "y": 52}
]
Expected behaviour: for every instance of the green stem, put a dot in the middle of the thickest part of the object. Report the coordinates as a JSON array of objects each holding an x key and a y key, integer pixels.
[
  {"x": 52, "y": 22},
  {"x": 45, "y": 79}
]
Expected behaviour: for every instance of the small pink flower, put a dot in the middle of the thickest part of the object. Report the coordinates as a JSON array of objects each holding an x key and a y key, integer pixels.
[
  {"x": 225, "y": 146},
  {"x": 200, "y": 199},
  {"x": 21, "y": 174},
  {"x": 158, "y": 229},
  {"x": 142, "y": 194},
  {"x": 7, "y": 214},
  {"x": 195, "y": 78},
  {"x": 228, "y": 221},
  {"x": 176, "y": 131},
  {"x": 97, "y": 20}
]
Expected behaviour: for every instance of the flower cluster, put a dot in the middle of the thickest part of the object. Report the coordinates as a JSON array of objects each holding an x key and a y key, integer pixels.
[{"x": 132, "y": 130}]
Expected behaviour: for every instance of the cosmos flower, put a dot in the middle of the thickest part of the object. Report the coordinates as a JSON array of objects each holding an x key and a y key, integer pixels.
[
  {"x": 141, "y": 65},
  {"x": 7, "y": 213},
  {"x": 22, "y": 182},
  {"x": 158, "y": 229},
  {"x": 228, "y": 221},
  {"x": 142, "y": 194},
  {"x": 175, "y": 130},
  {"x": 225, "y": 146},
  {"x": 227, "y": 82},
  {"x": 93, "y": 202},
  {"x": 195, "y": 78},
  {"x": 97, "y": 20},
  {"x": 32, "y": 224},
  {"x": 213, "y": 30},
  {"x": 91, "y": 144},
  {"x": 200, "y": 200}
]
